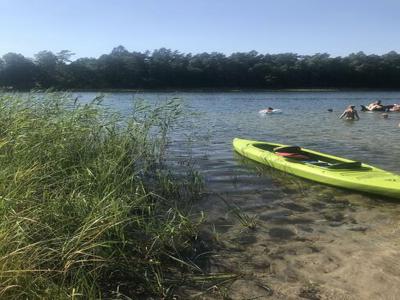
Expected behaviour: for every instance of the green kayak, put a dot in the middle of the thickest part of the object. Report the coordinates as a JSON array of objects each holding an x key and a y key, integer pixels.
[{"x": 320, "y": 167}]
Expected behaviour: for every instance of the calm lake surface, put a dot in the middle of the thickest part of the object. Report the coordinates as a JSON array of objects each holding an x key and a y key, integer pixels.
[
  {"x": 305, "y": 121},
  {"x": 311, "y": 240}
]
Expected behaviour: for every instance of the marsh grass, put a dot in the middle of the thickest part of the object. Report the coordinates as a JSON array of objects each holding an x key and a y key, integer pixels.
[{"x": 88, "y": 208}]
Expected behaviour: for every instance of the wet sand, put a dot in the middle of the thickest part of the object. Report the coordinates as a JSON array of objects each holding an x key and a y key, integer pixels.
[{"x": 310, "y": 241}]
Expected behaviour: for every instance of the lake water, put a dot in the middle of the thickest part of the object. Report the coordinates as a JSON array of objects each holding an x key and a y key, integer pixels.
[
  {"x": 305, "y": 121},
  {"x": 310, "y": 240}
]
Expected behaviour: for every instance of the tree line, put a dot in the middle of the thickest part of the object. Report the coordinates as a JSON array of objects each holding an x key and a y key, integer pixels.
[{"x": 165, "y": 69}]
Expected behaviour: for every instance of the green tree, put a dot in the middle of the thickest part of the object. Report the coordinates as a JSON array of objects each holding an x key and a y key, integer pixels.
[{"x": 18, "y": 72}]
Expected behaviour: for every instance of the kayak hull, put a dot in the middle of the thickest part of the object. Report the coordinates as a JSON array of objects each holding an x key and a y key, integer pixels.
[{"x": 366, "y": 178}]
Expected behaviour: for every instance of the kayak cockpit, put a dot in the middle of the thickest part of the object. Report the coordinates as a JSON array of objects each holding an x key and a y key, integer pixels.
[{"x": 296, "y": 153}]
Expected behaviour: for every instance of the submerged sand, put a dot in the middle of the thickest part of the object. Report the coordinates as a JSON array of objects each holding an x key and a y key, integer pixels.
[{"x": 309, "y": 242}]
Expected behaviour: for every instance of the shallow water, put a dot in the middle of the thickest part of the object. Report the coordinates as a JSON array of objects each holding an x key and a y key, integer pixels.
[{"x": 310, "y": 241}]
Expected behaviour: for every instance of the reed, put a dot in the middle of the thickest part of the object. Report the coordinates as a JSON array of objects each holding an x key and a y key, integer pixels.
[
  {"x": 88, "y": 206},
  {"x": 246, "y": 220}
]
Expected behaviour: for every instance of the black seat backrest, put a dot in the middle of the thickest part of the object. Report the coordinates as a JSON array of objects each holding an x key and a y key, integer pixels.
[
  {"x": 287, "y": 149},
  {"x": 346, "y": 165}
]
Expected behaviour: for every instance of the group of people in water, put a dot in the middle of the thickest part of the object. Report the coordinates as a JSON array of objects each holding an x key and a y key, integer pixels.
[
  {"x": 378, "y": 106},
  {"x": 351, "y": 113}
]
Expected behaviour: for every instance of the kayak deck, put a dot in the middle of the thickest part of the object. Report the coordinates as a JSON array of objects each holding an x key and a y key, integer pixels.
[{"x": 323, "y": 168}]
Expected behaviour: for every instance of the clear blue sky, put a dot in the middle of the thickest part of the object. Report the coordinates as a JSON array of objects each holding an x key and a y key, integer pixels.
[{"x": 90, "y": 28}]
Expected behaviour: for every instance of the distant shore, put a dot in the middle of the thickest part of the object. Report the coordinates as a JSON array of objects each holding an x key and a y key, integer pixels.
[
  {"x": 204, "y": 90},
  {"x": 208, "y": 90}
]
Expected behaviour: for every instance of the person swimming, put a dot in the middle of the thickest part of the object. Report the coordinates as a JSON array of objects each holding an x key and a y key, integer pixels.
[
  {"x": 375, "y": 106},
  {"x": 395, "y": 107},
  {"x": 350, "y": 113}
]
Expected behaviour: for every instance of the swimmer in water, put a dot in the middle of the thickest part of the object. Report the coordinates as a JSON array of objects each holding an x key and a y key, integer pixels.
[
  {"x": 350, "y": 113},
  {"x": 375, "y": 106},
  {"x": 395, "y": 107}
]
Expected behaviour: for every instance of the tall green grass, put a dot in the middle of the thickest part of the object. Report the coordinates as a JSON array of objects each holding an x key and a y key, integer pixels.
[{"x": 88, "y": 209}]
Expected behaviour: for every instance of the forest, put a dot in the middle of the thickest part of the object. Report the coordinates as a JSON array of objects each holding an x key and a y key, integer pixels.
[{"x": 167, "y": 69}]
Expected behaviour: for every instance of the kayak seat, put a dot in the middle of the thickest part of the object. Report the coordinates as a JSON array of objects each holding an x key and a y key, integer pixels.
[
  {"x": 346, "y": 165},
  {"x": 291, "y": 152},
  {"x": 287, "y": 149},
  {"x": 297, "y": 156}
]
